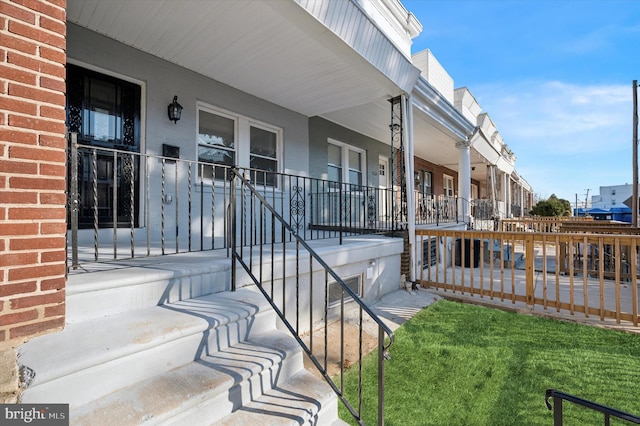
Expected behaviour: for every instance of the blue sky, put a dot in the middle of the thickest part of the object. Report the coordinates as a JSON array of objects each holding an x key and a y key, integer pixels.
[{"x": 554, "y": 75}]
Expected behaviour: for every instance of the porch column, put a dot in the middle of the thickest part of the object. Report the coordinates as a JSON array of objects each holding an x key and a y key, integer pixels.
[
  {"x": 504, "y": 194},
  {"x": 464, "y": 180},
  {"x": 407, "y": 113}
]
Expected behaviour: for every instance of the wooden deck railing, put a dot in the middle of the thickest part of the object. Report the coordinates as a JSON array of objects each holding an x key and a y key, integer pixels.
[
  {"x": 540, "y": 223},
  {"x": 590, "y": 274}
]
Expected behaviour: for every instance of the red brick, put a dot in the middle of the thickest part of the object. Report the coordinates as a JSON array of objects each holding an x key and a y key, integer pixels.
[
  {"x": 18, "y": 105},
  {"x": 30, "y": 330},
  {"x": 16, "y": 74},
  {"x": 11, "y": 42},
  {"x": 53, "y": 170},
  {"x": 27, "y": 138},
  {"x": 18, "y": 197},
  {"x": 56, "y": 26},
  {"x": 39, "y": 300},
  {"x": 55, "y": 311},
  {"x": 38, "y": 154},
  {"x": 37, "y": 34},
  {"x": 35, "y": 94},
  {"x": 53, "y": 256},
  {"x": 53, "y": 284},
  {"x": 56, "y": 113},
  {"x": 17, "y": 182},
  {"x": 49, "y": 228},
  {"x": 3, "y": 335},
  {"x": 20, "y": 288},
  {"x": 53, "y": 84},
  {"x": 16, "y": 259},
  {"x": 49, "y": 9},
  {"x": 40, "y": 243},
  {"x": 9, "y": 229},
  {"x": 59, "y": 142},
  {"x": 18, "y": 317},
  {"x": 59, "y": 3},
  {"x": 53, "y": 126},
  {"x": 54, "y": 55},
  {"x": 36, "y": 271},
  {"x": 18, "y": 13},
  {"x": 56, "y": 199},
  {"x": 18, "y": 167},
  {"x": 36, "y": 213}
]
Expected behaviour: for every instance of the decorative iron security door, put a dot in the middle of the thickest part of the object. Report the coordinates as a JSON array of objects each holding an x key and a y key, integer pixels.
[{"x": 105, "y": 113}]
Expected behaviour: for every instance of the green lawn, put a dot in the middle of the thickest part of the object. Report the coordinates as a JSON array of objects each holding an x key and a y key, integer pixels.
[{"x": 457, "y": 364}]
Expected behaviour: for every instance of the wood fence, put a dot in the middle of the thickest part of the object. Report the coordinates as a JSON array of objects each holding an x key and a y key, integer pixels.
[{"x": 591, "y": 274}]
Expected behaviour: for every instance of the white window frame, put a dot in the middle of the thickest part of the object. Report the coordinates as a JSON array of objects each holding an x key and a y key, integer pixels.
[
  {"x": 448, "y": 185},
  {"x": 345, "y": 148},
  {"x": 242, "y": 134}
]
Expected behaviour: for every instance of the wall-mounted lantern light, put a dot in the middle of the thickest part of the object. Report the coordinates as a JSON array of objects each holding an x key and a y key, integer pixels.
[{"x": 175, "y": 110}]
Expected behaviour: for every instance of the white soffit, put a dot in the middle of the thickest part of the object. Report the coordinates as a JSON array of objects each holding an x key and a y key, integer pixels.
[{"x": 275, "y": 50}]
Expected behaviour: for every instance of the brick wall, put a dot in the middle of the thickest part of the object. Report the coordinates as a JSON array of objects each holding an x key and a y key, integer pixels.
[{"x": 32, "y": 168}]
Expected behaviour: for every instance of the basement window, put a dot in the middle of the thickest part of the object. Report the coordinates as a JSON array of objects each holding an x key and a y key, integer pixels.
[{"x": 335, "y": 290}]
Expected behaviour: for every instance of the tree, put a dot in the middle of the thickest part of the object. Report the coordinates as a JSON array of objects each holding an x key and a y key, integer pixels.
[{"x": 553, "y": 206}]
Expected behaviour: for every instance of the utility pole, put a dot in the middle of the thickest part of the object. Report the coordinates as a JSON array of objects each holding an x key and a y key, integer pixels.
[
  {"x": 634, "y": 196},
  {"x": 586, "y": 200}
]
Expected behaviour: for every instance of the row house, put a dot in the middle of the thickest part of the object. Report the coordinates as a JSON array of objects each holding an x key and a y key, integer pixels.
[{"x": 134, "y": 129}]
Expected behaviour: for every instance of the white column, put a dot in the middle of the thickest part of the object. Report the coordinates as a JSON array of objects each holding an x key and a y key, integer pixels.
[
  {"x": 504, "y": 194},
  {"x": 407, "y": 125},
  {"x": 464, "y": 181}
]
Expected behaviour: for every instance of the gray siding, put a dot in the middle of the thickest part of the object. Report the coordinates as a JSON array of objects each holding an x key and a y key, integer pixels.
[{"x": 163, "y": 80}]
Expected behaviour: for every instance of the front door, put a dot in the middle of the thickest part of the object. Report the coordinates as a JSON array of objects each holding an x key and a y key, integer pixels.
[
  {"x": 385, "y": 198},
  {"x": 104, "y": 111}
]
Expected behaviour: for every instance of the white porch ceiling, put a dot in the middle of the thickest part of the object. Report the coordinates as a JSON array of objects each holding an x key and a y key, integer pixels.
[
  {"x": 279, "y": 51},
  {"x": 275, "y": 50}
]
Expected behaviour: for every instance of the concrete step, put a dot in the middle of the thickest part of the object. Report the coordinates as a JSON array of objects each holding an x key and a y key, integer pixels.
[
  {"x": 203, "y": 391},
  {"x": 302, "y": 400},
  {"x": 91, "y": 359},
  {"x": 127, "y": 285}
]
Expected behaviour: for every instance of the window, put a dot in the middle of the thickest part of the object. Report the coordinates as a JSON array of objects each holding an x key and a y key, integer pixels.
[
  {"x": 423, "y": 182},
  {"x": 448, "y": 185},
  {"x": 345, "y": 163},
  {"x": 232, "y": 140},
  {"x": 216, "y": 142}
]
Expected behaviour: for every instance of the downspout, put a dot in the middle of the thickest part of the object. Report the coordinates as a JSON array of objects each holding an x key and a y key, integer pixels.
[{"x": 407, "y": 126}]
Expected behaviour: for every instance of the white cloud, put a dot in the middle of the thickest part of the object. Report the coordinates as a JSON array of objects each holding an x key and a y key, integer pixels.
[
  {"x": 557, "y": 115},
  {"x": 566, "y": 137}
]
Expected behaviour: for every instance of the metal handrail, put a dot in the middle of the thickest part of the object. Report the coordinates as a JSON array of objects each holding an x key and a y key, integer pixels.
[
  {"x": 254, "y": 234},
  {"x": 153, "y": 204},
  {"x": 608, "y": 412}
]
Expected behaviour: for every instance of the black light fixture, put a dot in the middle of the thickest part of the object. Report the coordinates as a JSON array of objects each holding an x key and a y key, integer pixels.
[{"x": 175, "y": 110}]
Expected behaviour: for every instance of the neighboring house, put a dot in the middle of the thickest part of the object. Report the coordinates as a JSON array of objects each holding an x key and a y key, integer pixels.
[
  {"x": 612, "y": 203},
  {"x": 287, "y": 89}
]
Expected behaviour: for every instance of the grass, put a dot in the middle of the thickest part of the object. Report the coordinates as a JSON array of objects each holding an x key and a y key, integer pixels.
[{"x": 457, "y": 364}]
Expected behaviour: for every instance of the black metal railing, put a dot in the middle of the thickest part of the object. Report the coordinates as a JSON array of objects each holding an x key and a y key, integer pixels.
[
  {"x": 297, "y": 281},
  {"x": 607, "y": 412},
  {"x": 124, "y": 204},
  {"x": 435, "y": 209}
]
